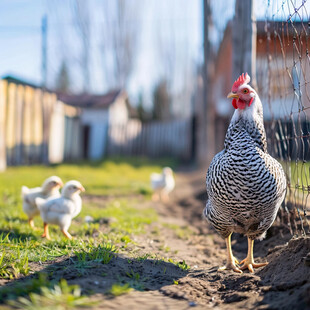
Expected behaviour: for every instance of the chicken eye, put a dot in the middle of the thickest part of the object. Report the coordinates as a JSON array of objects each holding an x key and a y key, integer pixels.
[{"x": 245, "y": 91}]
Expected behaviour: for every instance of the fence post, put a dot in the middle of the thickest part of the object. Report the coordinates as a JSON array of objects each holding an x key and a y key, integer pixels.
[
  {"x": 10, "y": 128},
  {"x": 3, "y": 94},
  {"x": 208, "y": 118},
  {"x": 244, "y": 40},
  {"x": 19, "y": 124}
]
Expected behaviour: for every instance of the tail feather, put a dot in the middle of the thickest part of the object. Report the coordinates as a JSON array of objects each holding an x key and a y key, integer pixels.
[{"x": 25, "y": 191}]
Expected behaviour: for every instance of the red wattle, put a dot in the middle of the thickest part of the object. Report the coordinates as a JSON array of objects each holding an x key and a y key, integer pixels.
[
  {"x": 241, "y": 104},
  {"x": 234, "y": 103}
]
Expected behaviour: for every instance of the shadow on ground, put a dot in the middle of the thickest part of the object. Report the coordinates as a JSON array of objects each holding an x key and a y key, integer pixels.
[
  {"x": 95, "y": 277},
  {"x": 16, "y": 235}
]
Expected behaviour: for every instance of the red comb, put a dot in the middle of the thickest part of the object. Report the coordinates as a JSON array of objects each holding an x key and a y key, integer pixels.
[{"x": 242, "y": 79}]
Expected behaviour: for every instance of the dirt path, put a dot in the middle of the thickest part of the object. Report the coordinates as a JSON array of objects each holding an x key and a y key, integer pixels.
[
  {"x": 182, "y": 236},
  {"x": 283, "y": 284}
]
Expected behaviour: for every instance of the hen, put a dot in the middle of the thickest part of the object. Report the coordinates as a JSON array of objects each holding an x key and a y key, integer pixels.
[
  {"x": 245, "y": 185},
  {"x": 50, "y": 188},
  {"x": 60, "y": 211},
  {"x": 162, "y": 184}
]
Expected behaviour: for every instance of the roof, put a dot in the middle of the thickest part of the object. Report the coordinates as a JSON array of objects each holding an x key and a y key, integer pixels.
[
  {"x": 80, "y": 101},
  {"x": 262, "y": 26},
  {"x": 90, "y": 101},
  {"x": 19, "y": 81},
  {"x": 289, "y": 27}
]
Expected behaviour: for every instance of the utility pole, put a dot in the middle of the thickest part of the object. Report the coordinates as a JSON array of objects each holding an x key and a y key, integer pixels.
[
  {"x": 244, "y": 40},
  {"x": 44, "y": 51},
  {"x": 44, "y": 95},
  {"x": 208, "y": 121}
]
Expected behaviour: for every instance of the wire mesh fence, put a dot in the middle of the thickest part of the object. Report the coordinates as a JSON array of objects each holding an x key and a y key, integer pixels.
[
  {"x": 284, "y": 86},
  {"x": 283, "y": 77}
]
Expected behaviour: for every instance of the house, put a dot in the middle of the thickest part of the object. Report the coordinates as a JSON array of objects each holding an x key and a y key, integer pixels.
[
  {"x": 98, "y": 112},
  {"x": 33, "y": 124}
]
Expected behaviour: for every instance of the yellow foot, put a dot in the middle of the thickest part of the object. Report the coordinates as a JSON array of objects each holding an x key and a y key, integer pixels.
[
  {"x": 31, "y": 223},
  {"x": 67, "y": 235},
  {"x": 46, "y": 236},
  {"x": 165, "y": 199},
  {"x": 155, "y": 197},
  {"x": 231, "y": 265},
  {"x": 249, "y": 264}
]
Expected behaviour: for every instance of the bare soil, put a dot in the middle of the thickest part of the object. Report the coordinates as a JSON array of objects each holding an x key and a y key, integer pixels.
[{"x": 283, "y": 284}]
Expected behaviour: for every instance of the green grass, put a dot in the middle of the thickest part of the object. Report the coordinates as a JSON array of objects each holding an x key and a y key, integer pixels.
[
  {"x": 13, "y": 264},
  {"x": 24, "y": 288},
  {"x": 181, "y": 232},
  {"x": 122, "y": 180},
  {"x": 102, "y": 254},
  {"x": 61, "y": 297},
  {"x": 298, "y": 174},
  {"x": 157, "y": 259},
  {"x": 113, "y": 177},
  {"x": 298, "y": 181},
  {"x": 119, "y": 289}
]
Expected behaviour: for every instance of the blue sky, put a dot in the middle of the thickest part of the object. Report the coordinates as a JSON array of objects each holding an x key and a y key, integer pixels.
[{"x": 20, "y": 37}]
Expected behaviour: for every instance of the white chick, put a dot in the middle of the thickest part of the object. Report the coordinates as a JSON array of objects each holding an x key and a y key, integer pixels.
[
  {"x": 60, "y": 211},
  {"x": 162, "y": 184},
  {"x": 50, "y": 188}
]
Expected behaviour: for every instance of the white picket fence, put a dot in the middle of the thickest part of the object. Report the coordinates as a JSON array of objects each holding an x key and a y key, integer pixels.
[{"x": 154, "y": 139}]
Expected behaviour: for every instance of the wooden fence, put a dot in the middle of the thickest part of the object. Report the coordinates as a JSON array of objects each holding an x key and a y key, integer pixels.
[
  {"x": 155, "y": 139},
  {"x": 32, "y": 125},
  {"x": 35, "y": 127}
]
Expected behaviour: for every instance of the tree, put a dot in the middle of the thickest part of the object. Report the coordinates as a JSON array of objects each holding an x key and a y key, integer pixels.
[
  {"x": 140, "y": 109},
  {"x": 63, "y": 79},
  {"x": 82, "y": 24},
  {"x": 175, "y": 61},
  {"x": 143, "y": 114},
  {"x": 161, "y": 101},
  {"x": 119, "y": 40}
]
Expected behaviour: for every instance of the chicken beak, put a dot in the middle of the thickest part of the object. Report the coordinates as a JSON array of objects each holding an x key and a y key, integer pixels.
[
  {"x": 82, "y": 189},
  {"x": 232, "y": 95},
  {"x": 60, "y": 184}
]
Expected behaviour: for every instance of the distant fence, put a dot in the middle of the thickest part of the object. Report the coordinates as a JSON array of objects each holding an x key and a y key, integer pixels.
[
  {"x": 33, "y": 126},
  {"x": 155, "y": 139}
]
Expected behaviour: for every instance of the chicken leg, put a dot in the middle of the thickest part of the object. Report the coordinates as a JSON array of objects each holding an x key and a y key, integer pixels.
[
  {"x": 66, "y": 233},
  {"x": 155, "y": 196},
  {"x": 31, "y": 223},
  {"x": 46, "y": 233},
  {"x": 164, "y": 197},
  {"x": 248, "y": 262},
  {"x": 231, "y": 260}
]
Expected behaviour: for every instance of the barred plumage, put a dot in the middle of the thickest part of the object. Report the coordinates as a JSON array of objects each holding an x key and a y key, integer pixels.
[{"x": 245, "y": 185}]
